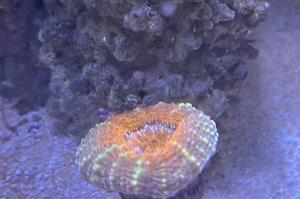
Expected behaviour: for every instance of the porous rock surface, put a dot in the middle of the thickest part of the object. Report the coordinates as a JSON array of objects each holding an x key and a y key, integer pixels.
[{"x": 110, "y": 55}]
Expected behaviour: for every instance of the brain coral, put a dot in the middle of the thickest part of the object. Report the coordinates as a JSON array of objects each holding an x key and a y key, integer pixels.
[{"x": 154, "y": 151}]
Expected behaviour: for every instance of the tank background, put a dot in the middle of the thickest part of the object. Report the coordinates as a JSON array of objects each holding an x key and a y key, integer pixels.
[
  {"x": 23, "y": 77},
  {"x": 258, "y": 155}
]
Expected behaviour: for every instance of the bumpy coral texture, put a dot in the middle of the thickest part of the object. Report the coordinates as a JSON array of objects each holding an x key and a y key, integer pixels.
[
  {"x": 154, "y": 151},
  {"x": 118, "y": 55}
]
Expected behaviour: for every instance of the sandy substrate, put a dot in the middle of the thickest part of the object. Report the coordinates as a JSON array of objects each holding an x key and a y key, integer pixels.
[
  {"x": 36, "y": 163},
  {"x": 259, "y": 149}
]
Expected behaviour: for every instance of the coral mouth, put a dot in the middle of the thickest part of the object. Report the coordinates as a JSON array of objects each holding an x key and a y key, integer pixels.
[{"x": 150, "y": 137}]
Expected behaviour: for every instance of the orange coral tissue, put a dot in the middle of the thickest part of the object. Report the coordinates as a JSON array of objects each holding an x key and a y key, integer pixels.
[{"x": 154, "y": 151}]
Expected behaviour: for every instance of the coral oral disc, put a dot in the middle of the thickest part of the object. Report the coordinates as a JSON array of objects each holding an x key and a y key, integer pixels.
[{"x": 154, "y": 151}]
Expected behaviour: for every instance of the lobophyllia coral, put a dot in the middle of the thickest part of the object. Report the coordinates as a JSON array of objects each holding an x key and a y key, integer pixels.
[{"x": 154, "y": 151}]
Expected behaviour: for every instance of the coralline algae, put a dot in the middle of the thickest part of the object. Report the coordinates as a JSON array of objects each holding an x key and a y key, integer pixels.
[{"x": 154, "y": 151}]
